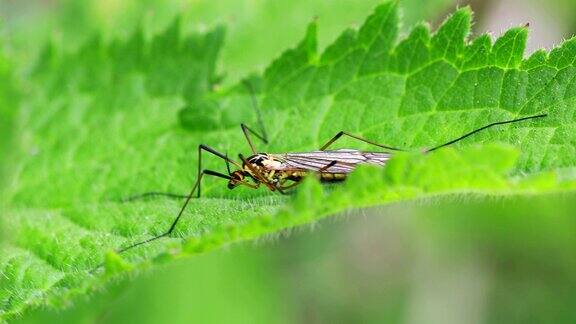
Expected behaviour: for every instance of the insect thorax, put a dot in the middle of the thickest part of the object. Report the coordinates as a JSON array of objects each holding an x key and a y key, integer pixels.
[
  {"x": 267, "y": 166},
  {"x": 273, "y": 170}
]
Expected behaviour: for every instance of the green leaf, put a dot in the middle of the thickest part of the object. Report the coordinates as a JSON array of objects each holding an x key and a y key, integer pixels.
[
  {"x": 9, "y": 99},
  {"x": 258, "y": 30},
  {"x": 106, "y": 123}
]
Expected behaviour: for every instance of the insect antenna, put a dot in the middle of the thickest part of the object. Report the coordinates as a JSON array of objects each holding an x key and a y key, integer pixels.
[{"x": 483, "y": 128}]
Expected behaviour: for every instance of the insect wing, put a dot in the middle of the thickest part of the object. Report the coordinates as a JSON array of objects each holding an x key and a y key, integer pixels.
[{"x": 346, "y": 160}]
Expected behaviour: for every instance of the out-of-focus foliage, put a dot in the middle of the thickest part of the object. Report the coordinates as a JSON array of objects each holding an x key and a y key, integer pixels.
[
  {"x": 9, "y": 101},
  {"x": 257, "y": 29},
  {"x": 515, "y": 254},
  {"x": 8, "y": 111}
]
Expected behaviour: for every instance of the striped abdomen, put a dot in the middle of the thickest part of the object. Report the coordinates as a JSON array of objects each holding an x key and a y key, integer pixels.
[{"x": 323, "y": 176}]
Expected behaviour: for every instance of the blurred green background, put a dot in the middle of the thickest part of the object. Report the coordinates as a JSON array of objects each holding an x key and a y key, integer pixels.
[{"x": 507, "y": 261}]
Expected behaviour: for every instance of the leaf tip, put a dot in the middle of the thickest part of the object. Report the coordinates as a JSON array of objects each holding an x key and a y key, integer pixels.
[
  {"x": 310, "y": 41},
  {"x": 509, "y": 48}
]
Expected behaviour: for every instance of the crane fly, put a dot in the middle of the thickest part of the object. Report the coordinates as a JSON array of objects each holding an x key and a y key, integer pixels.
[{"x": 284, "y": 171}]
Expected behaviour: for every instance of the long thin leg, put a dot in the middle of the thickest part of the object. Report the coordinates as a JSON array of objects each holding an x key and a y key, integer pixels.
[
  {"x": 181, "y": 212},
  {"x": 483, "y": 128},
  {"x": 152, "y": 194},
  {"x": 208, "y": 149},
  {"x": 341, "y": 133},
  {"x": 201, "y": 148},
  {"x": 247, "y": 131},
  {"x": 250, "y": 88}
]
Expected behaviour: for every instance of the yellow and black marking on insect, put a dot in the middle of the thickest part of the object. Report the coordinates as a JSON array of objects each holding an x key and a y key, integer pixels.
[
  {"x": 286, "y": 170},
  {"x": 283, "y": 171}
]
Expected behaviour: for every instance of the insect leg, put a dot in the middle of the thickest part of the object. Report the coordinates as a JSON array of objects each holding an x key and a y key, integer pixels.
[
  {"x": 295, "y": 184},
  {"x": 153, "y": 194},
  {"x": 247, "y": 130},
  {"x": 201, "y": 148},
  {"x": 341, "y": 133},
  {"x": 208, "y": 149},
  {"x": 327, "y": 166},
  {"x": 483, "y": 128},
  {"x": 195, "y": 188}
]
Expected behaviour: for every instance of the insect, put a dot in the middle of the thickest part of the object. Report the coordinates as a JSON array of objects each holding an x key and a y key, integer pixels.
[{"x": 284, "y": 171}]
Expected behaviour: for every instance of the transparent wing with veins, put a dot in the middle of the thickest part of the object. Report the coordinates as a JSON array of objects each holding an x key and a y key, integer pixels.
[{"x": 346, "y": 160}]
